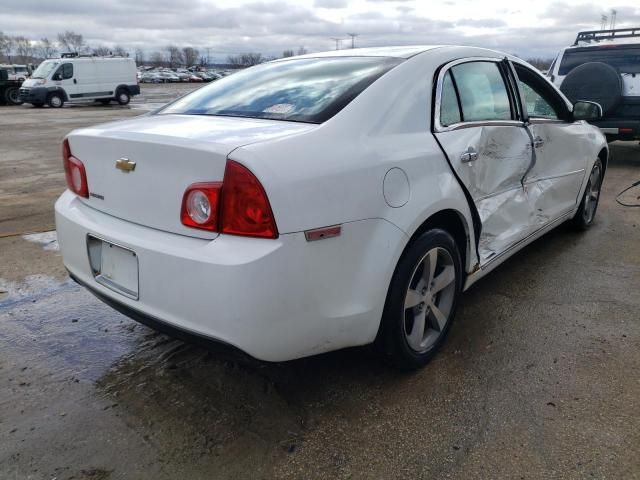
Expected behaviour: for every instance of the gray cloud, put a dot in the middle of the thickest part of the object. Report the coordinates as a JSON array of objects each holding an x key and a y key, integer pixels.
[
  {"x": 330, "y": 3},
  {"x": 270, "y": 26}
]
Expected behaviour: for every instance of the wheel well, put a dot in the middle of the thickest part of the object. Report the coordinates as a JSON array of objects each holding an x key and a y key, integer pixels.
[
  {"x": 604, "y": 156},
  {"x": 60, "y": 92},
  {"x": 452, "y": 222},
  {"x": 120, "y": 88}
]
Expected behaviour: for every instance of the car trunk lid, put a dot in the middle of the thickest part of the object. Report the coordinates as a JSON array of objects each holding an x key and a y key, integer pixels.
[{"x": 170, "y": 152}]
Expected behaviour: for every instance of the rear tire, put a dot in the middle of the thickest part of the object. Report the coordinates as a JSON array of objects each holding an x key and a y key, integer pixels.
[
  {"x": 421, "y": 301},
  {"x": 55, "y": 100},
  {"x": 123, "y": 98},
  {"x": 589, "y": 203}
]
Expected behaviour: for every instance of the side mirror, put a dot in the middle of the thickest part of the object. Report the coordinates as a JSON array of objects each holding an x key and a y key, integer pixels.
[
  {"x": 57, "y": 76},
  {"x": 585, "y": 110}
]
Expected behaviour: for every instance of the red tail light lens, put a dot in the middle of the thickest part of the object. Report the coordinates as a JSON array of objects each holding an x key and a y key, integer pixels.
[
  {"x": 237, "y": 206},
  {"x": 245, "y": 208},
  {"x": 74, "y": 172},
  {"x": 200, "y": 206}
]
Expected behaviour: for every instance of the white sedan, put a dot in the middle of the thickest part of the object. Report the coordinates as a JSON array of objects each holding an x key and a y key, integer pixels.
[{"x": 328, "y": 200}]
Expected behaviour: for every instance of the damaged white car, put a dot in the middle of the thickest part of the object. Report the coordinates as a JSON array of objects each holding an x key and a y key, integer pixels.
[{"x": 329, "y": 200}]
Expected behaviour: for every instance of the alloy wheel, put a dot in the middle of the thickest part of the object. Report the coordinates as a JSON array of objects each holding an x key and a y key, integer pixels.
[
  {"x": 429, "y": 299},
  {"x": 592, "y": 194}
]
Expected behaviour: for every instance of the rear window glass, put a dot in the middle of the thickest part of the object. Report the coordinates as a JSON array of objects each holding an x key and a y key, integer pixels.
[
  {"x": 483, "y": 93},
  {"x": 302, "y": 90},
  {"x": 625, "y": 59}
]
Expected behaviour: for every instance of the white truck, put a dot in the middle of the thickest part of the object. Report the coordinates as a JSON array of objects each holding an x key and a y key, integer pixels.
[
  {"x": 73, "y": 78},
  {"x": 604, "y": 67},
  {"x": 18, "y": 72}
]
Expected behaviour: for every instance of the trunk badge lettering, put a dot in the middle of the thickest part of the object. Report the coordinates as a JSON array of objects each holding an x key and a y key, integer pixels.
[{"x": 125, "y": 165}]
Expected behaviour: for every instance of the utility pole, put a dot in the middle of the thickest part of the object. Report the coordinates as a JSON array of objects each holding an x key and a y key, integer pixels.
[
  {"x": 603, "y": 22},
  {"x": 337, "y": 40},
  {"x": 613, "y": 20},
  {"x": 353, "y": 39}
]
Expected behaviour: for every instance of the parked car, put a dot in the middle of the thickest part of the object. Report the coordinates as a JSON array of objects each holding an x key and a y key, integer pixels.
[
  {"x": 151, "y": 77},
  {"x": 74, "y": 78},
  {"x": 329, "y": 200},
  {"x": 168, "y": 77},
  {"x": 17, "y": 72},
  {"x": 604, "y": 66}
]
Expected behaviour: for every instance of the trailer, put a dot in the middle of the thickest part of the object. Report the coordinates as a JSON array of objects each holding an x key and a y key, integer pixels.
[{"x": 9, "y": 89}]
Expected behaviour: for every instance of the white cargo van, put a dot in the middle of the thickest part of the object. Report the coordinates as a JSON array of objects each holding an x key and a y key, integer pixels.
[{"x": 74, "y": 78}]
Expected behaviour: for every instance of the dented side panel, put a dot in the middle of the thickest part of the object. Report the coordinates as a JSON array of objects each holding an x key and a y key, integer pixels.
[
  {"x": 494, "y": 180},
  {"x": 553, "y": 184}
]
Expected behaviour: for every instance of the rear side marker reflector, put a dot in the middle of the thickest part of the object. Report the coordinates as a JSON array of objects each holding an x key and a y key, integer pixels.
[{"x": 322, "y": 233}]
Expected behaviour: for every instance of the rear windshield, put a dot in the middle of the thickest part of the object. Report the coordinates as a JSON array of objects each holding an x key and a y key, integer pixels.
[
  {"x": 300, "y": 90},
  {"x": 624, "y": 58}
]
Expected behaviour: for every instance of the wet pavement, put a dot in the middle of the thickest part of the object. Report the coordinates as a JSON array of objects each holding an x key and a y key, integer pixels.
[{"x": 538, "y": 379}]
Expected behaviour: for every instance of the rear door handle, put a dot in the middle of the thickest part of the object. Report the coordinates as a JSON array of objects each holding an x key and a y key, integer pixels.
[
  {"x": 470, "y": 155},
  {"x": 538, "y": 142}
]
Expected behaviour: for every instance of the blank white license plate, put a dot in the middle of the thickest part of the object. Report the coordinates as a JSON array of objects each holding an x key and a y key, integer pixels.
[{"x": 114, "y": 267}]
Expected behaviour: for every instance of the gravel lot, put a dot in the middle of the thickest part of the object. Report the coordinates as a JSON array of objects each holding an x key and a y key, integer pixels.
[{"x": 538, "y": 379}]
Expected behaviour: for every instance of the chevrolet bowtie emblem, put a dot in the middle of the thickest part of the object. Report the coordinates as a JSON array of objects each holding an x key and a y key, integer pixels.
[{"x": 125, "y": 165}]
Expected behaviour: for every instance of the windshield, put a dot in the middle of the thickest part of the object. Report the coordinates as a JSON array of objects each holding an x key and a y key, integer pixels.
[
  {"x": 44, "y": 69},
  {"x": 303, "y": 90},
  {"x": 624, "y": 58}
]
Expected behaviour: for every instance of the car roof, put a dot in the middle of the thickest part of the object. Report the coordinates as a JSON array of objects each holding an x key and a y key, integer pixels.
[{"x": 397, "y": 52}]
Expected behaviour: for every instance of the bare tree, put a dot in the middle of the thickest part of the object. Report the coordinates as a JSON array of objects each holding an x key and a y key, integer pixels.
[
  {"x": 190, "y": 55},
  {"x": 120, "y": 51},
  {"x": 174, "y": 56},
  {"x": 245, "y": 59},
  {"x": 287, "y": 54},
  {"x": 6, "y": 46},
  {"x": 101, "y": 51},
  {"x": 23, "y": 47},
  {"x": 71, "y": 41},
  {"x": 302, "y": 51},
  {"x": 139, "y": 56},
  {"x": 156, "y": 59},
  {"x": 46, "y": 48}
]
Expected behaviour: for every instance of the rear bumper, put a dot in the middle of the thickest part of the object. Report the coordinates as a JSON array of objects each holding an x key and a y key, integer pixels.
[
  {"x": 275, "y": 300},
  {"x": 619, "y": 129}
]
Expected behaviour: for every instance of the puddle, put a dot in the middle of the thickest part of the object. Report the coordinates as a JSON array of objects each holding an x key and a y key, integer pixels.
[
  {"x": 31, "y": 285},
  {"x": 48, "y": 240}
]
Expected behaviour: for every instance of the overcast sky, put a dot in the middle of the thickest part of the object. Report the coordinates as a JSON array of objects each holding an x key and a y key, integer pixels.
[{"x": 530, "y": 29}]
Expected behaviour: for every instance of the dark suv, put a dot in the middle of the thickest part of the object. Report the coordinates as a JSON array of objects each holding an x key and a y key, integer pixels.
[{"x": 604, "y": 66}]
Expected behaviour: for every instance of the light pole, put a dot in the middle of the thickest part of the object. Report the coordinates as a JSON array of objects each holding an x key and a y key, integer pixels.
[{"x": 353, "y": 39}]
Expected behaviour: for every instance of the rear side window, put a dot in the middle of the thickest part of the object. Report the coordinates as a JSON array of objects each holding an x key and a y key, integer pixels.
[
  {"x": 303, "y": 90},
  {"x": 625, "y": 59},
  {"x": 449, "y": 107},
  {"x": 483, "y": 93}
]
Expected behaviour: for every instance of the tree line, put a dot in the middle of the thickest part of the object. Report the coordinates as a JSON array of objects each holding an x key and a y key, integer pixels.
[{"x": 20, "y": 49}]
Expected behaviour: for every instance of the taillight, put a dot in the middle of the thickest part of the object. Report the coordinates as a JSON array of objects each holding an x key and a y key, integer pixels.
[
  {"x": 74, "y": 172},
  {"x": 237, "y": 206},
  {"x": 245, "y": 208},
  {"x": 200, "y": 205}
]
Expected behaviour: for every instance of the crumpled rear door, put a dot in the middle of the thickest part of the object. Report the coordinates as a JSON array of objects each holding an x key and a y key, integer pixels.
[{"x": 500, "y": 158}]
